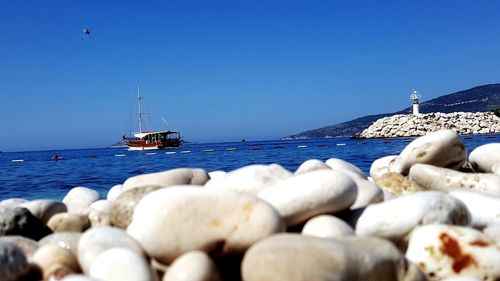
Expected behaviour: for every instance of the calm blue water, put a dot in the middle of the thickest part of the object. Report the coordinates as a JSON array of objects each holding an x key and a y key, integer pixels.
[{"x": 39, "y": 177}]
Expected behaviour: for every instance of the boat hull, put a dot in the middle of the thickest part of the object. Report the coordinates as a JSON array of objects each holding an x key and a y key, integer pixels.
[
  {"x": 132, "y": 148},
  {"x": 144, "y": 144}
]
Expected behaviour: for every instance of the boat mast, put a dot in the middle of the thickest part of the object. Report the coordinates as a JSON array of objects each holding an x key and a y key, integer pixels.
[{"x": 139, "y": 106}]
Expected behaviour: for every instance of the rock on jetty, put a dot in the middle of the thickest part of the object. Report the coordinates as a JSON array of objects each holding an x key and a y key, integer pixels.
[
  {"x": 429, "y": 213},
  {"x": 409, "y": 125}
]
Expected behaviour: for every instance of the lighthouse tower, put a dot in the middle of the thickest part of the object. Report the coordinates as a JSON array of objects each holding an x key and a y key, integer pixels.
[{"x": 415, "y": 96}]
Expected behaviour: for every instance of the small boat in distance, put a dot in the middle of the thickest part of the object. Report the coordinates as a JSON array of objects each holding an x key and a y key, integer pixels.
[{"x": 147, "y": 140}]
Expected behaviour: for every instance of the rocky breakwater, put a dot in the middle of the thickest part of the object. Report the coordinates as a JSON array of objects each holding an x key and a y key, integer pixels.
[
  {"x": 430, "y": 213},
  {"x": 409, "y": 125}
]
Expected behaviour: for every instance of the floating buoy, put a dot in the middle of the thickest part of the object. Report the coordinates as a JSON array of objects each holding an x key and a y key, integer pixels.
[
  {"x": 119, "y": 155},
  {"x": 170, "y": 152},
  {"x": 185, "y": 151},
  {"x": 17, "y": 160}
]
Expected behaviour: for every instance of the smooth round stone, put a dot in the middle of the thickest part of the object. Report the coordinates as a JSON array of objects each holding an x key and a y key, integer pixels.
[
  {"x": 99, "y": 213},
  {"x": 114, "y": 192},
  {"x": 120, "y": 264},
  {"x": 368, "y": 193},
  {"x": 79, "y": 199},
  {"x": 99, "y": 239},
  {"x": 123, "y": 207},
  {"x": 98, "y": 218},
  {"x": 496, "y": 169},
  {"x": 13, "y": 263},
  {"x": 483, "y": 207},
  {"x": 381, "y": 166},
  {"x": 192, "y": 266},
  {"x": 442, "y": 149},
  {"x": 306, "y": 195},
  {"x": 26, "y": 245},
  {"x": 250, "y": 179},
  {"x": 293, "y": 257},
  {"x": 311, "y": 165},
  {"x": 435, "y": 178},
  {"x": 19, "y": 221},
  {"x": 493, "y": 232},
  {"x": 44, "y": 209},
  {"x": 51, "y": 255},
  {"x": 194, "y": 218},
  {"x": 443, "y": 251},
  {"x": 396, "y": 218},
  {"x": 485, "y": 157},
  {"x": 78, "y": 277},
  {"x": 327, "y": 226},
  {"x": 168, "y": 178},
  {"x": 102, "y": 205},
  {"x": 65, "y": 240},
  {"x": 64, "y": 222},
  {"x": 12, "y": 202},
  {"x": 397, "y": 184},
  {"x": 216, "y": 174},
  {"x": 462, "y": 278},
  {"x": 339, "y": 164}
]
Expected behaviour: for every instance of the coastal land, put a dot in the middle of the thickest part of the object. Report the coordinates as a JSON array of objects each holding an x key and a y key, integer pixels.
[{"x": 485, "y": 98}]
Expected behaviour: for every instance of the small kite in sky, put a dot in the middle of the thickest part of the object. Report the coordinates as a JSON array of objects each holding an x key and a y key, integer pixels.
[{"x": 86, "y": 32}]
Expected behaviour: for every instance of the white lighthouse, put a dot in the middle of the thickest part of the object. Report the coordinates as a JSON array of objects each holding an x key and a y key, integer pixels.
[{"x": 415, "y": 96}]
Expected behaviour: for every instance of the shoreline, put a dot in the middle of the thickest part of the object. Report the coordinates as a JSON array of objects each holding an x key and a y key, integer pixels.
[{"x": 266, "y": 214}]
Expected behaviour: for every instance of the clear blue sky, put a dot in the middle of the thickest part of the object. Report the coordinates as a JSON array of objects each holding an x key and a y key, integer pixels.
[{"x": 229, "y": 70}]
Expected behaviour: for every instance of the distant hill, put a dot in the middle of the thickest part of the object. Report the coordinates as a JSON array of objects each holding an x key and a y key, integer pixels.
[{"x": 481, "y": 98}]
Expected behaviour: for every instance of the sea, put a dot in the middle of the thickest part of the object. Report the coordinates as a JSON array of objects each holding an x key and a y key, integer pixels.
[{"x": 34, "y": 175}]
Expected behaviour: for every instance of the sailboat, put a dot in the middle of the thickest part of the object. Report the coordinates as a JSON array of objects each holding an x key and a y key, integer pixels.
[{"x": 148, "y": 140}]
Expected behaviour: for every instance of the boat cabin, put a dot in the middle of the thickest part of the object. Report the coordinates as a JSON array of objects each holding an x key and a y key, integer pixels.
[{"x": 154, "y": 140}]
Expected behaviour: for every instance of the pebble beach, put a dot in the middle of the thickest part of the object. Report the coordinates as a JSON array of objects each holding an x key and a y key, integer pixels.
[{"x": 431, "y": 212}]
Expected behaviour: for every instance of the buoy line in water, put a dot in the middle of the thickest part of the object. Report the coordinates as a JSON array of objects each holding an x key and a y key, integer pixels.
[{"x": 252, "y": 148}]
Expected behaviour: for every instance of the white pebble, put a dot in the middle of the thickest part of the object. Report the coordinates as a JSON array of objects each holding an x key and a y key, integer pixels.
[
  {"x": 485, "y": 157},
  {"x": 78, "y": 199},
  {"x": 306, "y": 195},
  {"x": 120, "y": 264},
  {"x": 192, "y": 266},
  {"x": 396, "y": 218},
  {"x": 442, "y": 149},
  {"x": 327, "y": 226}
]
